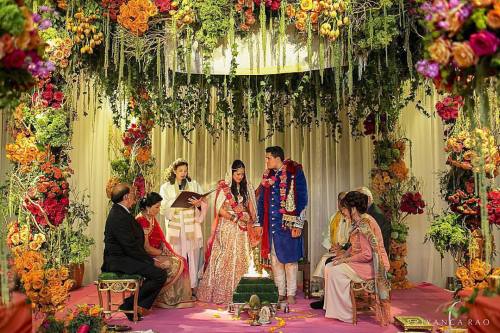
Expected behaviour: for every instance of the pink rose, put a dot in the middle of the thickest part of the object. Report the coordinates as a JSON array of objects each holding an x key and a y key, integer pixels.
[
  {"x": 484, "y": 43},
  {"x": 56, "y": 105},
  {"x": 83, "y": 329},
  {"x": 228, "y": 196}
]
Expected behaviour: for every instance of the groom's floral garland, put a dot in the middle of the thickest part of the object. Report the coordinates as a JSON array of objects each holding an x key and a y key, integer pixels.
[
  {"x": 237, "y": 207},
  {"x": 269, "y": 181}
]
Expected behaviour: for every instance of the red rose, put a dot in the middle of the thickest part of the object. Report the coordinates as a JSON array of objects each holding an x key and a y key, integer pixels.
[
  {"x": 58, "y": 96},
  {"x": 47, "y": 95}
]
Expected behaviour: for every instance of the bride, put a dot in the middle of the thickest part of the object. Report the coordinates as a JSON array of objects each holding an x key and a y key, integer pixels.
[{"x": 228, "y": 251}]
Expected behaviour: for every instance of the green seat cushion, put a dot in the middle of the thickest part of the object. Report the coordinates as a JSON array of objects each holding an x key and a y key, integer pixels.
[{"x": 118, "y": 276}]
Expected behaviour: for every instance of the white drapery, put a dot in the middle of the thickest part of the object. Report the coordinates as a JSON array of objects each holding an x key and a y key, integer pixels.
[{"x": 330, "y": 167}]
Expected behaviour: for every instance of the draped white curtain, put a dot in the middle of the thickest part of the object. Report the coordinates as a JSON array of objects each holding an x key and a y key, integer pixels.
[{"x": 330, "y": 167}]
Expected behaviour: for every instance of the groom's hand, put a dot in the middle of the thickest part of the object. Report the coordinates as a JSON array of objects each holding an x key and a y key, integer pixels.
[{"x": 296, "y": 232}]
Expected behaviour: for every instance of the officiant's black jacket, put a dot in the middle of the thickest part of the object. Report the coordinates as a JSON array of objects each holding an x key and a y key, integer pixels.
[
  {"x": 123, "y": 238},
  {"x": 383, "y": 223}
]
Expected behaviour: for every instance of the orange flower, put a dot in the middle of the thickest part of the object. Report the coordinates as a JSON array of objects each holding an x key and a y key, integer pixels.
[
  {"x": 290, "y": 10},
  {"x": 481, "y": 3},
  {"x": 238, "y": 7},
  {"x": 399, "y": 169},
  {"x": 68, "y": 284},
  {"x": 462, "y": 273},
  {"x": 301, "y": 16},
  {"x": 493, "y": 17},
  {"x": 134, "y": 15},
  {"x": 300, "y": 25},
  {"x": 250, "y": 20},
  {"x": 468, "y": 283},
  {"x": 64, "y": 273},
  {"x": 51, "y": 274},
  {"x": 314, "y": 18},
  {"x": 478, "y": 274},
  {"x": 463, "y": 55},
  {"x": 482, "y": 285},
  {"x": 440, "y": 51}
]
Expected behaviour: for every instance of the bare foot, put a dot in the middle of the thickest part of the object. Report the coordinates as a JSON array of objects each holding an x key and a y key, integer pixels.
[
  {"x": 291, "y": 299},
  {"x": 281, "y": 298}
]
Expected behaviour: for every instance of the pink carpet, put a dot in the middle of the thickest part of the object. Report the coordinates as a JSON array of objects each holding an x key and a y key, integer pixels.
[{"x": 424, "y": 300}]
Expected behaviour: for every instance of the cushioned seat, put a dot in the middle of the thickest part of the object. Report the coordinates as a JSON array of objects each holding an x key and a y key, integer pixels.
[
  {"x": 118, "y": 276},
  {"x": 111, "y": 282}
]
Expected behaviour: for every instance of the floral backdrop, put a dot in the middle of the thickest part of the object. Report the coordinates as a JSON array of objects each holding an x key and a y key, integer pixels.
[{"x": 140, "y": 52}]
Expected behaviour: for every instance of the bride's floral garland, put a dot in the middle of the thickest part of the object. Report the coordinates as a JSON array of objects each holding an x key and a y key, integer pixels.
[{"x": 237, "y": 207}]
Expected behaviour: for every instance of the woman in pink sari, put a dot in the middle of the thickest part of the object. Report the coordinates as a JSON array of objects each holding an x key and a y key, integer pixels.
[
  {"x": 176, "y": 292},
  {"x": 365, "y": 259}
]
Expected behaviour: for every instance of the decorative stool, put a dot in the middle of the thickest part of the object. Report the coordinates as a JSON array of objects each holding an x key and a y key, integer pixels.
[
  {"x": 118, "y": 283},
  {"x": 363, "y": 293}
]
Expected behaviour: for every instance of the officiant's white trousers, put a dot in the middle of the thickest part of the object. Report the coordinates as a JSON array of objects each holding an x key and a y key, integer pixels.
[
  {"x": 285, "y": 275},
  {"x": 193, "y": 258}
]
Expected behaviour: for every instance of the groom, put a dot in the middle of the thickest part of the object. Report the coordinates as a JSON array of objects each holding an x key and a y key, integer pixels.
[{"x": 281, "y": 209}]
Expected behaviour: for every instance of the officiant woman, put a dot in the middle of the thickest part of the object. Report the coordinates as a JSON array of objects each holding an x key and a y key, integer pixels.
[{"x": 183, "y": 225}]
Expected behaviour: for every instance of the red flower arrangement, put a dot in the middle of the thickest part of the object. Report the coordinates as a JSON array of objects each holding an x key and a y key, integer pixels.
[
  {"x": 270, "y": 4},
  {"x": 136, "y": 134},
  {"x": 52, "y": 209},
  {"x": 448, "y": 108},
  {"x": 49, "y": 97},
  {"x": 464, "y": 203},
  {"x": 494, "y": 207},
  {"x": 164, "y": 6},
  {"x": 412, "y": 203},
  {"x": 113, "y": 8},
  {"x": 140, "y": 185}
]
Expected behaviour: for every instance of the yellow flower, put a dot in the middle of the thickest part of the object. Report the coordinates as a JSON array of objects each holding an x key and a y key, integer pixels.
[
  {"x": 478, "y": 274},
  {"x": 467, "y": 283},
  {"x": 39, "y": 238},
  {"x": 462, "y": 273},
  {"x": 15, "y": 239},
  {"x": 306, "y": 5},
  {"x": 63, "y": 273},
  {"x": 35, "y": 246}
]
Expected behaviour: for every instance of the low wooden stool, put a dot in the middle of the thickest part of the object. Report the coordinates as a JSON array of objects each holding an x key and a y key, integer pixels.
[
  {"x": 118, "y": 283},
  {"x": 363, "y": 293}
]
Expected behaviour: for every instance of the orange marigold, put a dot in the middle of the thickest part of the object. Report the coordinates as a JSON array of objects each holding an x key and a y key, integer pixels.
[{"x": 399, "y": 169}]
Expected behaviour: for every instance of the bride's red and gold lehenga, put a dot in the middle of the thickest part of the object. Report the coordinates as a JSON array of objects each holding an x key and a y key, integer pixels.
[
  {"x": 176, "y": 292},
  {"x": 228, "y": 252}
]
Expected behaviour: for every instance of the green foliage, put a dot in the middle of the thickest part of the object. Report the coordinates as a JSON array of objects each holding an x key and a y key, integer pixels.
[
  {"x": 479, "y": 18},
  {"x": 95, "y": 323},
  {"x": 11, "y": 18},
  {"x": 384, "y": 28},
  {"x": 399, "y": 232},
  {"x": 52, "y": 127},
  {"x": 385, "y": 154},
  {"x": 214, "y": 18},
  {"x": 448, "y": 235}
]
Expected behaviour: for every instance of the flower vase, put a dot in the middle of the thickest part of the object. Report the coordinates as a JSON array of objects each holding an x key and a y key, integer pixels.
[{"x": 76, "y": 274}]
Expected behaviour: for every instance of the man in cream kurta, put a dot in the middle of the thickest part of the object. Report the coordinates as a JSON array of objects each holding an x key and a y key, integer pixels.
[{"x": 183, "y": 226}]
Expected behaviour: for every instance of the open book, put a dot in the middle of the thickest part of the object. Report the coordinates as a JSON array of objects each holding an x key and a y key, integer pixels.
[{"x": 182, "y": 200}]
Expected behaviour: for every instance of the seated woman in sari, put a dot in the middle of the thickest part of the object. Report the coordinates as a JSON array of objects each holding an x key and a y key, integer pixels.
[
  {"x": 366, "y": 259},
  {"x": 176, "y": 292},
  {"x": 228, "y": 251}
]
